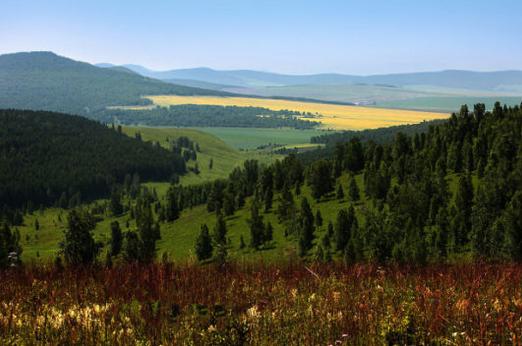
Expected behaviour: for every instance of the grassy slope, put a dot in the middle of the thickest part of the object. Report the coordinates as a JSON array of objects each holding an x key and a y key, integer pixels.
[
  {"x": 251, "y": 138},
  {"x": 178, "y": 238},
  {"x": 45, "y": 241}
]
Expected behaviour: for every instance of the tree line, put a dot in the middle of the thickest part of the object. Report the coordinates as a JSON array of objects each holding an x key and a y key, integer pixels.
[{"x": 208, "y": 116}]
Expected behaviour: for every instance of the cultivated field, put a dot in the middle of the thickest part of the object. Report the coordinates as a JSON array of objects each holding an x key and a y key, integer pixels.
[
  {"x": 338, "y": 117},
  {"x": 252, "y": 138}
]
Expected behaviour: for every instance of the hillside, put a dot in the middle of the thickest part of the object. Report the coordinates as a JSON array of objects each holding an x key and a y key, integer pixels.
[
  {"x": 497, "y": 80},
  {"x": 46, "y": 81},
  {"x": 46, "y": 157}
]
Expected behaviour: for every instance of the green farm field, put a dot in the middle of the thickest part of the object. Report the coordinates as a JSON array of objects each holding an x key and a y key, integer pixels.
[
  {"x": 251, "y": 138},
  {"x": 224, "y": 156}
]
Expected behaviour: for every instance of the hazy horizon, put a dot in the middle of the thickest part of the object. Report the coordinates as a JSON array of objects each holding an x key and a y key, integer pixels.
[{"x": 294, "y": 37}]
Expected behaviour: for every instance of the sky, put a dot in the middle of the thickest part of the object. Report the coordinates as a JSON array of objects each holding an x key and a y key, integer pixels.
[{"x": 286, "y": 36}]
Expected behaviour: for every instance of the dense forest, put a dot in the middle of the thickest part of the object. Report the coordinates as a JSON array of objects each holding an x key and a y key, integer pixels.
[
  {"x": 380, "y": 135},
  {"x": 208, "y": 116},
  {"x": 48, "y": 158},
  {"x": 46, "y": 81},
  {"x": 451, "y": 193}
]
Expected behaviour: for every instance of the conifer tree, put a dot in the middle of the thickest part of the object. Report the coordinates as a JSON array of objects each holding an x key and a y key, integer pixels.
[
  {"x": 116, "y": 239},
  {"x": 318, "y": 218},
  {"x": 257, "y": 226},
  {"x": 307, "y": 228},
  {"x": 353, "y": 191},
  {"x": 204, "y": 246},
  {"x": 340, "y": 192},
  {"x": 220, "y": 229},
  {"x": 79, "y": 246}
]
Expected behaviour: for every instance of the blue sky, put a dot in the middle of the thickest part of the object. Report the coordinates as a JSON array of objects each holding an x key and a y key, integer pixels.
[{"x": 357, "y": 37}]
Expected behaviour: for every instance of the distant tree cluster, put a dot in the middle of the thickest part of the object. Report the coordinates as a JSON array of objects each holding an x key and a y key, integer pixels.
[{"x": 208, "y": 115}]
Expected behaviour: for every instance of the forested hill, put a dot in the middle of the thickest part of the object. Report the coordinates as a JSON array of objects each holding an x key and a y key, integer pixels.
[
  {"x": 451, "y": 193},
  {"x": 46, "y": 157},
  {"x": 419, "y": 215},
  {"x": 46, "y": 81}
]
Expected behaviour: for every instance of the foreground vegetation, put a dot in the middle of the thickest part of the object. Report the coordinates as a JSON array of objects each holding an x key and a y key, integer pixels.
[
  {"x": 333, "y": 116},
  {"x": 289, "y": 304}
]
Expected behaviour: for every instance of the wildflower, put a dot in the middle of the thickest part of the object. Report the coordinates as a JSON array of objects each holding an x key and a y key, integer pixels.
[
  {"x": 462, "y": 305},
  {"x": 253, "y": 312},
  {"x": 336, "y": 296}
]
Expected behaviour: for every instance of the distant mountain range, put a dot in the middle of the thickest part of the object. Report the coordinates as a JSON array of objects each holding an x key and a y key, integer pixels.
[
  {"x": 456, "y": 79},
  {"x": 46, "y": 81}
]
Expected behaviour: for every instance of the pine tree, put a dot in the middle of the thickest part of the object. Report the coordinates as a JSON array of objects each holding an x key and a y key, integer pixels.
[
  {"x": 286, "y": 204},
  {"x": 148, "y": 231},
  {"x": 79, "y": 246},
  {"x": 513, "y": 225},
  {"x": 269, "y": 232},
  {"x": 463, "y": 204},
  {"x": 320, "y": 179},
  {"x": 353, "y": 191},
  {"x": 256, "y": 226},
  {"x": 172, "y": 209},
  {"x": 345, "y": 221},
  {"x": 318, "y": 218},
  {"x": 307, "y": 228},
  {"x": 220, "y": 230},
  {"x": 116, "y": 239},
  {"x": 268, "y": 197},
  {"x": 204, "y": 246},
  {"x": 116, "y": 206},
  {"x": 340, "y": 192},
  {"x": 10, "y": 249}
]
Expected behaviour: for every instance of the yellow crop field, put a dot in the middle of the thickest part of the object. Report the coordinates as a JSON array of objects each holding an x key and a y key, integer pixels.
[{"x": 338, "y": 117}]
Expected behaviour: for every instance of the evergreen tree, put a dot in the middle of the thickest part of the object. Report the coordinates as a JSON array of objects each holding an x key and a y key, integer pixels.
[
  {"x": 463, "y": 204},
  {"x": 148, "y": 231},
  {"x": 116, "y": 205},
  {"x": 268, "y": 197},
  {"x": 320, "y": 179},
  {"x": 286, "y": 204},
  {"x": 79, "y": 246},
  {"x": 269, "y": 232},
  {"x": 116, "y": 239},
  {"x": 307, "y": 228},
  {"x": 353, "y": 190},
  {"x": 172, "y": 209},
  {"x": 220, "y": 230},
  {"x": 10, "y": 249},
  {"x": 340, "y": 192},
  {"x": 513, "y": 225},
  {"x": 345, "y": 221},
  {"x": 256, "y": 225},
  {"x": 318, "y": 218},
  {"x": 204, "y": 246}
]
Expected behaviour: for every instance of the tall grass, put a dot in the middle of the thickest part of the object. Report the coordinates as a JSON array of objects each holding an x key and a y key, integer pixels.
[{"x": 261, "y": 304}]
